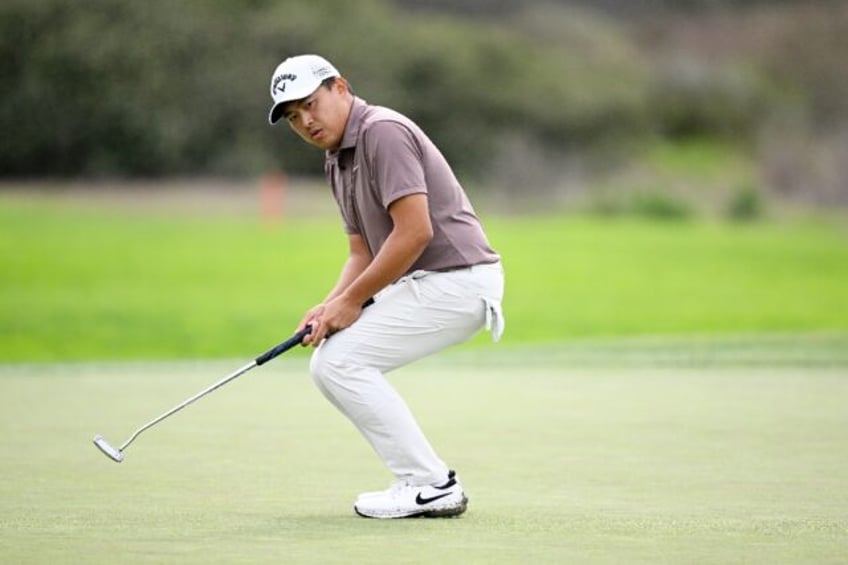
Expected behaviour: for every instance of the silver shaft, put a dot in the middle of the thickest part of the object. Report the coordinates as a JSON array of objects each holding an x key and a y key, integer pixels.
[{"x": 197, "y": 396}]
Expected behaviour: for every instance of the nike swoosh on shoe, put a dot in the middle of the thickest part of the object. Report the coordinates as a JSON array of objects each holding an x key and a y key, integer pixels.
[{"x": 422, "y": 501}]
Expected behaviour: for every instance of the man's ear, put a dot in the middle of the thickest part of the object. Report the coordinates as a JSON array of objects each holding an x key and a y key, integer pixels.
[{"x": 341, "y": 85}]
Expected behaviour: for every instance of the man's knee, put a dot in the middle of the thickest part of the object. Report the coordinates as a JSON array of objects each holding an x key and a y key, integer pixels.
[
  {"x": 320, "y": 367},
  {"x": 328, "y": 367}
]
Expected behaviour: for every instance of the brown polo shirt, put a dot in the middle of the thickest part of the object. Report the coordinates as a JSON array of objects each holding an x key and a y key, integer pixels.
[{"x": 384, "y": 156}]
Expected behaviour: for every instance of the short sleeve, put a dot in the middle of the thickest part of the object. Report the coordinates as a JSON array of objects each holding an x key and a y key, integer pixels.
[{"x": 394, "y": 158}]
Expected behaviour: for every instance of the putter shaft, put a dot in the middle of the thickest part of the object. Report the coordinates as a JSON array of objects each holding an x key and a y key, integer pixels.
[
  {"x": 118, "y": 454},
  {"x": 191, "y": 400}
]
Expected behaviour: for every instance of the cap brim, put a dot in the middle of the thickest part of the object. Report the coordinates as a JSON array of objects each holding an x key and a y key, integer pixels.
[{"x": 276, "y": 112}]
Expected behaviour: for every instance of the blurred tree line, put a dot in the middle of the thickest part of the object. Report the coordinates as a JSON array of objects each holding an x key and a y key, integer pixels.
[{"x": 111, "y": 88}]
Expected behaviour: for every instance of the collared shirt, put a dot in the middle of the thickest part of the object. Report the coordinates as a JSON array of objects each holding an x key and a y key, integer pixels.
[{"x": 385, "y": 156}]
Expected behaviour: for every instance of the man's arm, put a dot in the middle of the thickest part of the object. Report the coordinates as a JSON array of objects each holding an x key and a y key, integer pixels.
[
  {"x": 410, "y": 235},
  {"x": 357, "y": 260}
]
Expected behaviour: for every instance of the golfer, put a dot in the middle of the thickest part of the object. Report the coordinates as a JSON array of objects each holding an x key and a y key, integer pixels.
[{"x": 416, "y": 248}]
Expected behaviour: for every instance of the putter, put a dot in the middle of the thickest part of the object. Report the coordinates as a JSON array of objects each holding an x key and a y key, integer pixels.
[{"x": 117, "y": 455}]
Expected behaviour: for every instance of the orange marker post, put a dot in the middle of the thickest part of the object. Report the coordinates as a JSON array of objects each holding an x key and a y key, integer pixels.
[{"x": 272, "y": 191}]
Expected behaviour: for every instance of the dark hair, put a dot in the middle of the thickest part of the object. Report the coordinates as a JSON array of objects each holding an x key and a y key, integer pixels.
[{"x": 329, "y": 82}]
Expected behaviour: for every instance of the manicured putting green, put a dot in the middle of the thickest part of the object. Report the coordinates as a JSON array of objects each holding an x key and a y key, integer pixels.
[{"x": 571, "y": 458}]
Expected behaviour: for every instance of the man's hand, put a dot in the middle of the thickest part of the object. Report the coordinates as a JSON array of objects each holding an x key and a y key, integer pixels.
[
  {"x": 309, "y": 318},
  {"x": 328, "y": 318}
]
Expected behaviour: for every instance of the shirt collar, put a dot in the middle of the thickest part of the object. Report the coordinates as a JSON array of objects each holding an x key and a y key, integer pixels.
[{"x": 354, "y": 122}]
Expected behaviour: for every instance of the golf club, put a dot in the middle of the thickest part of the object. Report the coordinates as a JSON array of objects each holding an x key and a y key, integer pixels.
[{"x": 117, "y": 455}]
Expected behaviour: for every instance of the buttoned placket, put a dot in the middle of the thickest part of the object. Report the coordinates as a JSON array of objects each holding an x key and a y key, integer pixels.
[{"x": 348, "y": 178}]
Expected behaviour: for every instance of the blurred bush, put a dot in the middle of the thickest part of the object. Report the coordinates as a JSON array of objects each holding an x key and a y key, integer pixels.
[
  {"x": 767, "y": 76},
  {"x": 154, "y": 88},
  {"x": 746, "y": 204},
  {"x": 659, "y": 205},
  {"x": 692, "y": 98},
  {"x": 525, "y": 96},
  {"x": 157, "y": 87}
]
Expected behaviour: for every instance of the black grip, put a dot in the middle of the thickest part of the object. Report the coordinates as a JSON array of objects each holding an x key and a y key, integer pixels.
[{"x": 283, "y": 347}]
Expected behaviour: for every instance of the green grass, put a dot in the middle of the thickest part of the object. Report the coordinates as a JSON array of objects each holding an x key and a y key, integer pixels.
[
  {"x": 580, "y": 455},
  {"x": 578, "y": 278},
  {"x": 103, "y": 283},
  {"x": 702, "y": 159},
  {"x": 666, "y": 392}
]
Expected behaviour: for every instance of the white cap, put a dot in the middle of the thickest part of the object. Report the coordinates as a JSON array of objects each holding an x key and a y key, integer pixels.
[{"x": 296, "y": 78}]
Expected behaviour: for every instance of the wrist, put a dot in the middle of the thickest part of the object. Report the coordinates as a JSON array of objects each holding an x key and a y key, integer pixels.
[{"x": 351, "y": 296}]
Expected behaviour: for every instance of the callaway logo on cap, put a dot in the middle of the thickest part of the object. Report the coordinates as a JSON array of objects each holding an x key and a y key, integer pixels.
[{"x": 296, "y": 78}]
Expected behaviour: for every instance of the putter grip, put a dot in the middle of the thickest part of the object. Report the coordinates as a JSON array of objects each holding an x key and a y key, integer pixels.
[{"x": 283, "y": 347}]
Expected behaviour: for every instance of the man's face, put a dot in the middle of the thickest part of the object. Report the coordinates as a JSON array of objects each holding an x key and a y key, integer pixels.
[{"x": 321, "y": 117}]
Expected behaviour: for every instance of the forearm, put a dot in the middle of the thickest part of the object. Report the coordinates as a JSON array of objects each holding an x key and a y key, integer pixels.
[
  {"x": 397, "y": 255},
  {"x": 352, "y": 269},
  {"x": 355, "y": 264}
]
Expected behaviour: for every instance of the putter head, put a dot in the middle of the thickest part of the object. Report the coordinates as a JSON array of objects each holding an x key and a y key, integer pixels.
[{"x": 115, "y": 455}]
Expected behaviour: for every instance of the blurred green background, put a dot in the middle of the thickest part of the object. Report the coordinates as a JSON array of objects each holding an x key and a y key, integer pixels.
[
  {"x": 645, "y": 168},
  {"x": 667, "y": 183}
]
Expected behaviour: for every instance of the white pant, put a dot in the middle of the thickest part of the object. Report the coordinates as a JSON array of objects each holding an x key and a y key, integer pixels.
[{"x": 418, "y": 315}]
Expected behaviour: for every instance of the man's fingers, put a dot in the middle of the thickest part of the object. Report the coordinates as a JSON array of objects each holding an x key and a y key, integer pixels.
[
  {"x": 325, "y": 324},
  {"x": 310, "y": 338},
  {"x": 319, "y": 331}
]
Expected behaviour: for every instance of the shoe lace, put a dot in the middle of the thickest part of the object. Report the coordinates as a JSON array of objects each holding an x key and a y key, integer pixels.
[{"x": 398, "y": 486}]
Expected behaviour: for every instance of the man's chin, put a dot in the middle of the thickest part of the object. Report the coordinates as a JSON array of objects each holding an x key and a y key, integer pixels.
[{"x": 324, "y": 144}]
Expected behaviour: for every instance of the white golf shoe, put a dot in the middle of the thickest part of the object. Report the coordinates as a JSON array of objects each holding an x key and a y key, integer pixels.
[{"x": 403, "y": 500}]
